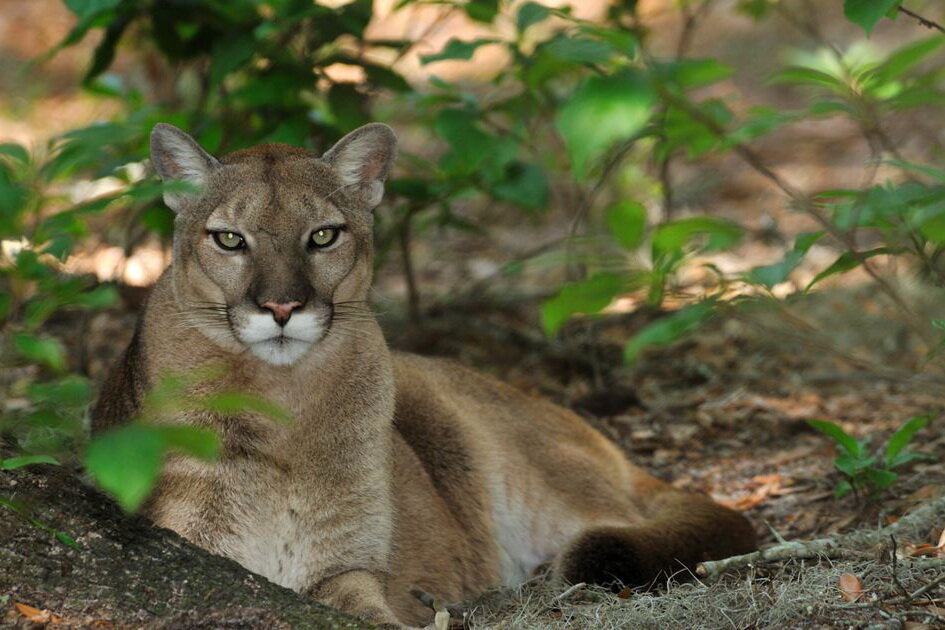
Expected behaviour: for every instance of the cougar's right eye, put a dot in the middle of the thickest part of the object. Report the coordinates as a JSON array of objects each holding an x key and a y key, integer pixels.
[{"x": 230, "y": 241}]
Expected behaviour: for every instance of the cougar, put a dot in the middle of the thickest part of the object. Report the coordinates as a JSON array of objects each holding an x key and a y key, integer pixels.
[{"x": 397, "y": 472}]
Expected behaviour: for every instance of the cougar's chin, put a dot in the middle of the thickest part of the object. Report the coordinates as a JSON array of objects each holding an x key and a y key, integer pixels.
[
  {"x": 280, "y": 345},
  {"x": 280, "y": 351}
]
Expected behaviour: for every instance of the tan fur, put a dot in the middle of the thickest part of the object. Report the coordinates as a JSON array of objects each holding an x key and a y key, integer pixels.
[{"x": 398, "y": 472}]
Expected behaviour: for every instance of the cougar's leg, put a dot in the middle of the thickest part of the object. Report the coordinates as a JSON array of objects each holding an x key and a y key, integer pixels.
[{"x": 360, "y": 593}]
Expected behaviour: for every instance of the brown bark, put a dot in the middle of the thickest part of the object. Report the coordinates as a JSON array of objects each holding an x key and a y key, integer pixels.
[{"x": 126, "y": 571}]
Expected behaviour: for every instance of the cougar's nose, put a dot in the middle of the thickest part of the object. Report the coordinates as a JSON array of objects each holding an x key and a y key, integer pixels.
[{"x": 281, "y": 312}]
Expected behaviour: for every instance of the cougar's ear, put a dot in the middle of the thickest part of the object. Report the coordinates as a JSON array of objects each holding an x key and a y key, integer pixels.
[
  {"x": 177, "y": 157},
  {"x": 363, "y": 160}
]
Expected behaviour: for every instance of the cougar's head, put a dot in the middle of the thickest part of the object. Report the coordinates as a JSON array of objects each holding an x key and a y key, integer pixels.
[{"x": 273, "y": 245}]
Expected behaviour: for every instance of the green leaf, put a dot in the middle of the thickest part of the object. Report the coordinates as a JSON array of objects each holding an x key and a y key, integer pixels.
[
  {"x": 846, "y": 441},
  {"x": 668, "y": 329},
  {"x": 470, "y": 146},
  {"x": 578, "y": 49},
  {"x": 691, "y": 73},
  {"x": 15, "y": 151},
  {"x": 457, "y": 49},
  {"x": 587, "y": 296},
  {"x": 866, "y": 13},
  {"x": 879, "y": 478},
  {"x": 105, "y": 51},
  {"x": 843, "y": 489},
  {"x": 847, "y": 464},
  {"x": 931, "y": 223},
  {"x": 923, "y": 169},
  {"x": 69, "y": 392},
  {"x": 907, "y": 458},
  {"x": 239, "y": 402},
  {"x": 125, "y": 462},
  {"x": 531, "y": 13},
  {"x": 906, "y": 58},
  {"x": 158, "y": 219},
  {"x": 809, "y": 76},
  {"x": 482, "y": 10},
  {"x": 196, "y": 441},
  {"x": 626, "y": 220},
  {"x": 99, "y": 297},
  {"x": 68, "y": 540},
  {"x": 84, "y": 9},
  {"x": 853, "y": 466},
  {"x": 602, "y": 111},
  {"x": 770, "y": 275},
  {"x": 347, "y": 104},
  {"x": 12, "y": 197},
  {"x": 848, "y": 261},
  {"x": 44, "y": 350},
  {"x": 673, "y": 236},
  {"x": 26, "y": 460},
  {"x": 229, "y": 54},
  {"x": 901, "y": 438},
  {"x": 525, "y": 185}
]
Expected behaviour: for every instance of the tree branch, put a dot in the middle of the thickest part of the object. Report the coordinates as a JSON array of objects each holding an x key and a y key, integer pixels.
[
  {"x": 792, "y": 550},
  {"x": 927, "y": 23}
]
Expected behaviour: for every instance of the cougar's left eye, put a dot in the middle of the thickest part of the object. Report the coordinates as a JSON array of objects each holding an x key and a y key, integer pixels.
[
  {"x": 323, "y": 237},
  {"x": 229, "y": 241}
]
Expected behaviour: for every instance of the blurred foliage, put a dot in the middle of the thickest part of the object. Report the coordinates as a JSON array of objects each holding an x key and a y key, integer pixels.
[{"x": 576, "y": 107}]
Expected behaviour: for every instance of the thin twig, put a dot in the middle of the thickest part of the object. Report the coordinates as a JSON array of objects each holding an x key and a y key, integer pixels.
[
  {"x": 570, "y": 591},
  {"x": 895, "y": 565},
  {"x": 691, "y": 21},
  {"x": 413, "y": 294},
  {"x": 925, "y": 589},
  {"x": 927, "y": 23}
]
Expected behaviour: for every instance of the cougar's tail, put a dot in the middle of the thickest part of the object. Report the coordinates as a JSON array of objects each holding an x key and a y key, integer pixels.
[{"x": 681, "y": 530}]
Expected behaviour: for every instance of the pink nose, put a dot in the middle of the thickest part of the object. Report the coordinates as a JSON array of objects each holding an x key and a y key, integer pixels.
[{"x": 281, "y": 312}]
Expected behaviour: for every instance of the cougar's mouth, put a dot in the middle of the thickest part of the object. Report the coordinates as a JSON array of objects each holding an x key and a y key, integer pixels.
[{"x": 280, "y": 345}]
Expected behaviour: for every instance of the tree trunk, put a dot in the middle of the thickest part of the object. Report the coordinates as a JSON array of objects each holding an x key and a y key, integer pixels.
[{"x": 125, "y": 572}]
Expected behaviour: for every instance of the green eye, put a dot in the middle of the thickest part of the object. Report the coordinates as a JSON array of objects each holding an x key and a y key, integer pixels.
[
  {"x": 229, "y": 241},
  {"x": 324, "y": 237}
]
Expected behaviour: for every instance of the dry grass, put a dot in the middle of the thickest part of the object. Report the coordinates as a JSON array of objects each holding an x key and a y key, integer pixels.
[{"x": 790, "y": 594}]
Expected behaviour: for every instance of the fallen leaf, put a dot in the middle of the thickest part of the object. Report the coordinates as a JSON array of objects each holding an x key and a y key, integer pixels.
[
  {"x": 767, "y": 486},
  {"x": 922, "y": 550},
  {"x": 850, "y": 587},
  {"x": 35, "y": 615}
]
